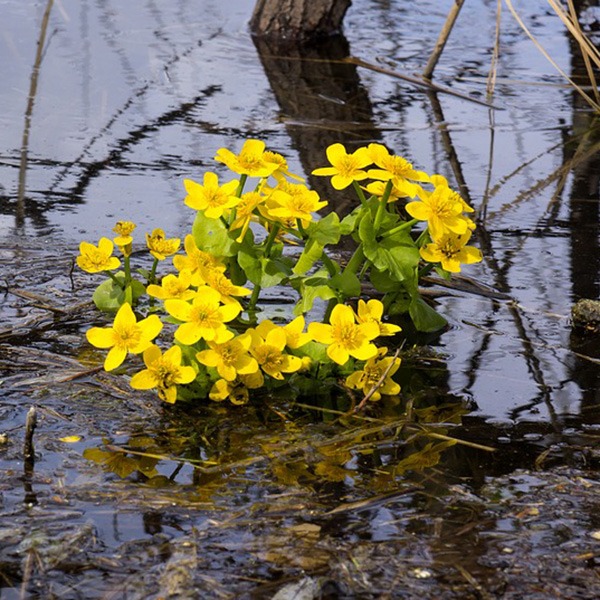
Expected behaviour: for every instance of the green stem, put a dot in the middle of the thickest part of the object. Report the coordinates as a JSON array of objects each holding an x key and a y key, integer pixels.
[
  {"x": 382, "y": 206},
  {"x": 329, "y": 264},
  {"x": 272, "y": 235},
  {"x": 115, "y": 280},
  {"x": 356, "y": 261},
  {"x": 127, "y": 267},
  {"x": 406, "y": 225},
  {"x": 240, "y": 187},
  {"x": 360, "y": 193},
  {"x": 301, "y": 229},
  {"x": 152, "y": 276},
  {"x": 251, "y": 308}
]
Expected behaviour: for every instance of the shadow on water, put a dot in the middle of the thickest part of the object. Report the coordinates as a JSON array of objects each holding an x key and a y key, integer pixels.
[{"x": 480, "y": 481}]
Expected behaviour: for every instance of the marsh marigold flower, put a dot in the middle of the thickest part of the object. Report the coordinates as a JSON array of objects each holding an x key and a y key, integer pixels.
[
  {"x": 163, "y": 372},
  {"x": 396, "y": 169},
  {"x": 204, "y": 318},
  {"x": 282, "y": 169},
  {"x": 173, "y": 286},
  {"x": 442, "y": 209},
  {"x": 124, "y": 239},
  {"x": 196, "y": 261},
  {"x": 372, "y": 312},
  {"x": 250, "y": 161},
  {"x": 231, "y": 358},
  {"x": 451, "y": 251},
  {"x": 345, "y": 168},
  {"x": 344, "y": 337},
  {"x": 125, "y": 335},
  {"x": 213, "y": 200},
  {"x": 294, "y": 332},
  {"x": 370, "y": 375},
  {"x": 298, "y": 205},
  {"x": 244, "y": 212},
  {"x": 160, "y": 246},
  {"x": 269, "y": 353},
  {"x": 97, "y": 259}
]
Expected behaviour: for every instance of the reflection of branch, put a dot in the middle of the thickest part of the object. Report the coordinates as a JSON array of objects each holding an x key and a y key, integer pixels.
[
  {"x": 417, "y": 81},
  {"x": 20, "y": 213}
]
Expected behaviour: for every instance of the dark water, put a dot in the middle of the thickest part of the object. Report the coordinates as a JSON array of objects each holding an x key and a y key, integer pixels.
[{"x": 133, "y": 97}]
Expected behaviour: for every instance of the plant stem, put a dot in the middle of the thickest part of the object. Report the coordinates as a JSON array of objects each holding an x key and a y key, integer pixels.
[
  {"x": 115, "y": 280},
  {"x": 272, "y": 235},
  {"x": 356, "y": 261},
  {"x": 382, "y": 206},
  {"x": 329, "y": 264},
  {"x": 240, "y": 187},
  {"x": 406, "y": 225},
  {"x": 360, "y": 194},
  {"x": 251, "y": 308},
  {"x": 152, "y": 276}
]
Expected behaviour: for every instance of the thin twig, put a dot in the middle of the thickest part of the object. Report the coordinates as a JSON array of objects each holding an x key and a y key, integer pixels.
[{"x": 378, "y": 384}]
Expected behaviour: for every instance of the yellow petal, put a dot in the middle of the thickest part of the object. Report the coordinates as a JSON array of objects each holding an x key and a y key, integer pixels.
[
  {"x": 144, "y": 380},
  {"x": 70, "y": 439},
  {"x": 101, "y": 337},
  {"x": 114, "y": 358}
]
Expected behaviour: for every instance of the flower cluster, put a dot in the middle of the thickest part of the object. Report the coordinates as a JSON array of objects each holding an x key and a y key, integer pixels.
[{"x": 248, "y": 238}]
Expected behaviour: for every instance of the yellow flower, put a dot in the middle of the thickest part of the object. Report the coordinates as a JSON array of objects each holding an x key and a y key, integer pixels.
[
  {"x": 440, "y": 180},
  {"x": 451, "y": 250},
  {"x": 97, "y": 259},
  {"x": 250, "y": 161},
  {"x": 269, "y": 353},
  {"x": 163, "y": 372},
  {"x": 345, "y": 338},
  {"x": 212, "y": 199},
  {"x": 372, "y": 312},
  {"x": 345, "y": 168},
  {"x": 126, "y": 335},
  {"x": 372, "y": 372},
  {"x": 217, "y": 280},
  {"x": 282, "y": 166},
  {"x": 244, "y": 212},
  {"x": 124, "y": 239},
  {"x": 198, "y": 262},
  {"x": 394, "y": 168},
  {"x": 230, "y": 358},
  {"x": 160, "y": 247},
  {"x": 298, "y": 205},
  {"x": 405, "y": 189},
  {"x": 295, "y": 338},
  {"x": 173, "y": 286},
  {"x": 204, "y": 318},
  {"x": 236, "y": 391},
  {"x": 442, "y": 209}
]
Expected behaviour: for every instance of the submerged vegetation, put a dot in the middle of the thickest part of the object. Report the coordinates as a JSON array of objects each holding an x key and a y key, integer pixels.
[{"x": 243, "y": 241}]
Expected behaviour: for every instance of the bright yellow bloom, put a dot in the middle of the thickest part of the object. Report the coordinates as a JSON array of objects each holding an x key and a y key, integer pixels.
[
  {"x": 372, "y": 312},
  {"x": 204, "y": 318},
  {"x": 451, "y": 250},
  {"x": 405, "y": 189},
  {"x": 344, "y": 337},
  {"x": 394, "y": 168},
  {"x": 236, "y": 392},
  {"x": 97, "y": 259},
  {"x": 282, "y": 166},
  {"x": 345, "y": 168},
  {"x": 372, "y": 372},
  {"x": 269, "y": 353},
  {"x": 173, "y": 286},
  {"x": 442, "y": 209},
  {"x": 124, "y": 239},
  {"x": 299, "y": 205},
  {"x": 126, "y": 335},
  {"x": 198, "y": 262},
  {"x": 160, "y": 247},
  {"x": 439, "y": 180},
  {"x": 217, "y": 280},
  {"x": 250, "y": 161},
  {"x": 244, "y": 212},
  {"x": 212, "y": 199},
  {"x": 163, "y": 372},
  {"x": 295, "y": 338},
  {"x": 230, "y": 358}
]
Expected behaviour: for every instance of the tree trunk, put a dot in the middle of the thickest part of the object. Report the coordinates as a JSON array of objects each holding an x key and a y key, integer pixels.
[{"x": 297, "y": 21}]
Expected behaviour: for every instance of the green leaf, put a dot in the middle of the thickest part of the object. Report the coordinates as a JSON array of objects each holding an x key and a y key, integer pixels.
[
  {"x": 348, "y": 223},
  {"x": 424, "y": 317},
  {"x": 310, "y": 255},
  {"x": 326, "y": 230},
  {"x": 211, "y": 235},
  {"x": 109, "y": 296},
  {"x": 346, "y": 283},
  {"x": 309, "y": 293},
  {"x": 263, "y": 271}
]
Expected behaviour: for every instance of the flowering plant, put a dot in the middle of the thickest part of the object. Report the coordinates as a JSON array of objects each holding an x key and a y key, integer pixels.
[{"x": 244, "y": 241}]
